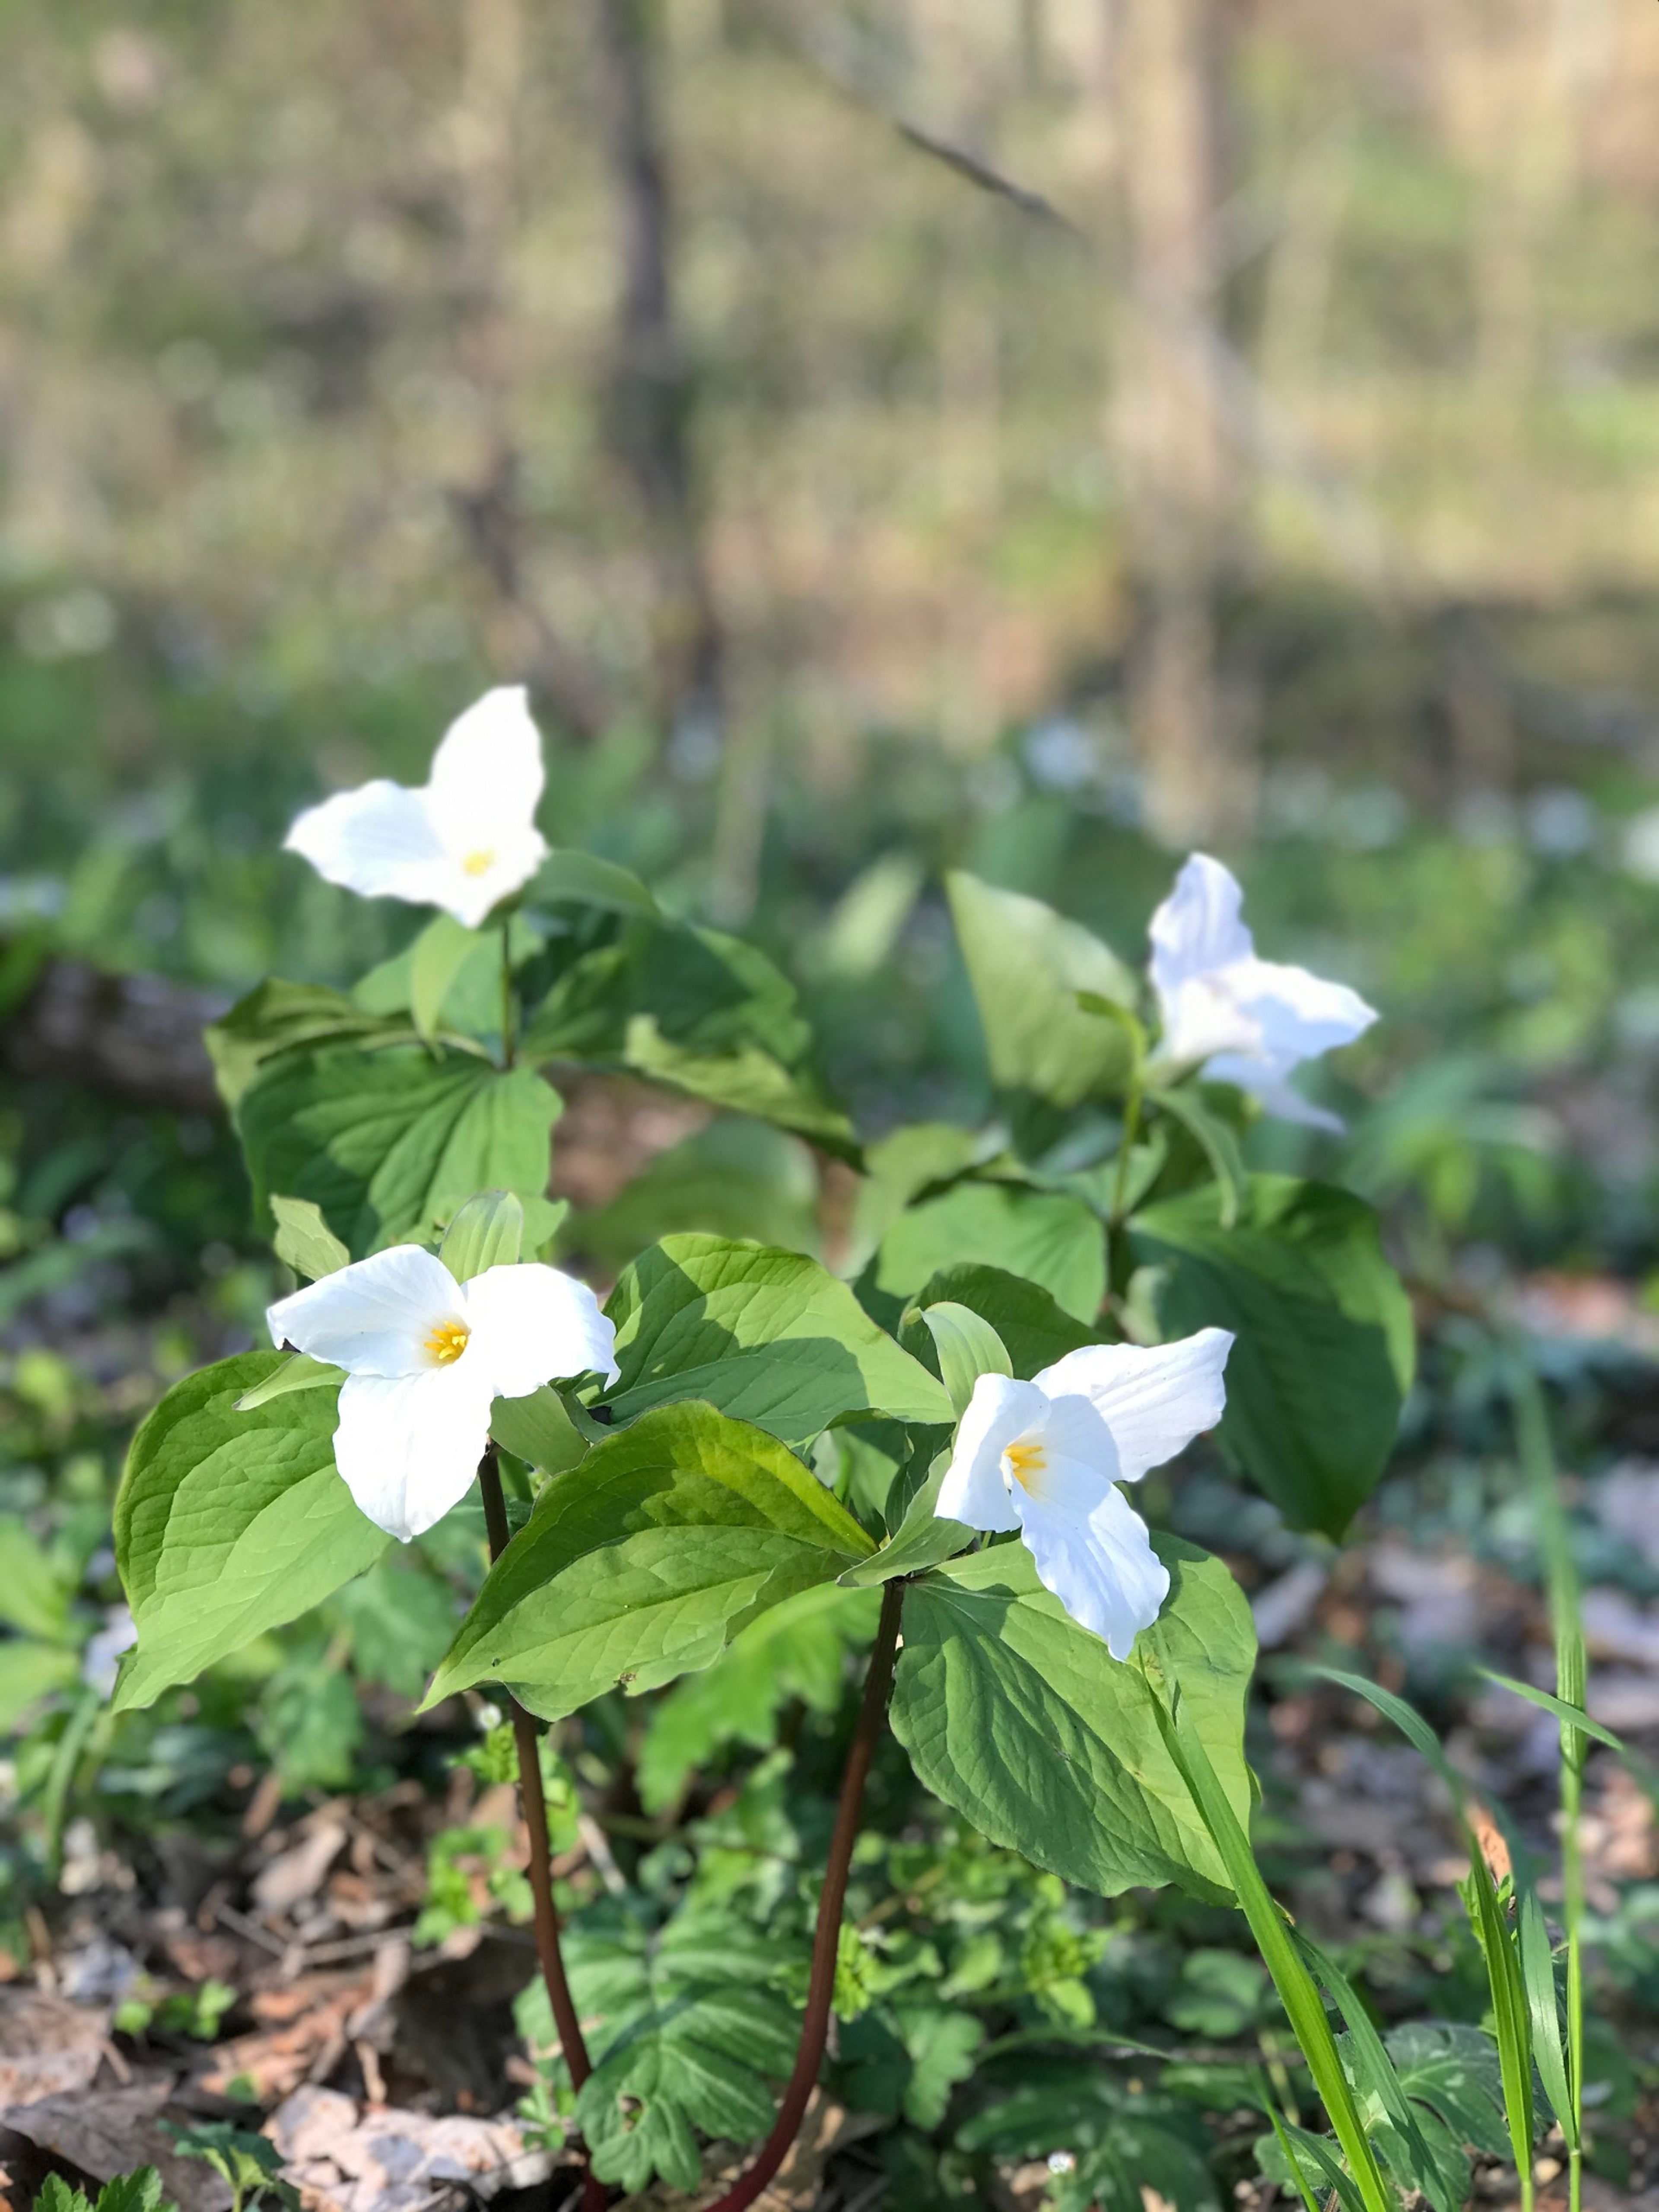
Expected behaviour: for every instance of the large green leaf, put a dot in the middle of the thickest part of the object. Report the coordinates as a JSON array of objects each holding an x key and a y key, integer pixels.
[
  {"x": 1027, "y": 964},
  {"x": 390, "y": 1144},
  {"x": 643, "y": 1561},
  {"x": 744, "y": 1081},
  {"x": 277, "y": 1018},
  {"x": 1025, "y": 1723},
  {"x": 768, "y": 1336},
  {"x": 228, "y": 1523},
  {"x": 685, "y": 2029},
  {"x": 1051, "y": 1239},
  {"x": 1325, "y": 1347},
  {"x": 1035, "y": 1329},
  {"x": 738, "y": 1177}
]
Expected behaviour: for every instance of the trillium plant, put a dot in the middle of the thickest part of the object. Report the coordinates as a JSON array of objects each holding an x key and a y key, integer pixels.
[{"x": 1027, "y": 1319}]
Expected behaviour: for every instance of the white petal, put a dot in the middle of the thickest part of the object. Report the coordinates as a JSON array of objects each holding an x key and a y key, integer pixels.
[
  {"x": 1204, "y": 1016},
  {"x": 1299, "y": 1013},
  {"x": 1092, "y": 1549},
  {"x": 375, "y": 840},
  {"x": 374, "y": 1317},
  {"x": 409, "y": 1445},
  {"x": 1197, "y": 928},
  {"x": 973, "y": 1491},
  {"x": 531, "y": 1323},
  {"x": 472, "y": 881},
  {"x": 487, "y": 775},
  {"x": 1154, "y": 1400},
  {"x": 1265, "y": 1080}
]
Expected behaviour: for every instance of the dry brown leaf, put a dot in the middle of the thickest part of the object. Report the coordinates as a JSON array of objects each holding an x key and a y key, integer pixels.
[
  {"x": 348, "y": 2158},
  {"x": 297, "y": 1874},
  {"x": 47, "y": 2046},
  {"x": 116, "y": 2132}
]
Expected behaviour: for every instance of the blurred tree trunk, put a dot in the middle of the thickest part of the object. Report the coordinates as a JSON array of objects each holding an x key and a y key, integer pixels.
[
  {"x": 1179, "y": 470},
  {"x": 652, "y": 384}
]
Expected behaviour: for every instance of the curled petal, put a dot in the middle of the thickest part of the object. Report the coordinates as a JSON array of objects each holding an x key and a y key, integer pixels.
[
  {"x": 973, "y": 1491},
  {"x": 1268, "y": 1082},
  {"x": 531, "y": 1323},
  {"x": 1153, "y": 1400},
  {"x": 373, "y": 1317},
  {"x": 409, "y": 1445},
  {"x": 487, "y": 775},
  {"x": 1200, "y": 927},
  {"x": 1092, "y": 1549},
  {"x": 1299, "y": 1013},
  {"x": 378, "y": 841}
]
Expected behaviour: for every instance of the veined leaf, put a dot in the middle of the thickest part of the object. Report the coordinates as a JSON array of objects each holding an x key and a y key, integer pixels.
[
  {"x": 1027, "y": 964},
  {"x": 304, "y": 1240},
  {"x": 1032, "y": 1327},
  {"x": 1023, "y": 1722},
  {"x": 965, "y": 1346},
  {"x": 1048, "y": 1238},
  {"x": 299, "y": 1372},
  {"x": 1325, "y": 1345},
  {"x": 567, "y": 876},
  {"x": 487, "y": 1232},
  {"x": 538, "y": 1429},
  {"x": 435, "y": 959},
  {"x": 765, "y": 1335},
  {"x": 278, "y": 1018},
  {"x": 643, "y": 1562},
  {"x": 389, "y": 1144},
  {"x": 228, "y": 1523}
]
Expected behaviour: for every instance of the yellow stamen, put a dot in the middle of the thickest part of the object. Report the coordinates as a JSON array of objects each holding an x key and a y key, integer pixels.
[
  {"x": 478, "y": 864},
  {"x": 448, "y": 1342},
  {"x": 1025, "y": 1462}
]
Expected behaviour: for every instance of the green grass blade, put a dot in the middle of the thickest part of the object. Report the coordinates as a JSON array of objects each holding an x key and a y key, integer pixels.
[
  {"x": 1296, "y": 1989},
  {"x": 1538, "y": 1977},
  {"x": 1374, "y": 2072},
  {"x": 1572, "y": 1716}
]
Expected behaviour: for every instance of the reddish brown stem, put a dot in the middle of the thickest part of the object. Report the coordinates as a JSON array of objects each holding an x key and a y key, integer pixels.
[
  {"x": 815, "y": 2027},
  {"x": 595, "y": 2195}
]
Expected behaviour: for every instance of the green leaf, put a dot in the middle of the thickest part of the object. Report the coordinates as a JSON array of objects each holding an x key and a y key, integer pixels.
[
  {"x": 568, "y": 876},
  {"x": 900, "y": 1166},
  {"x": 798, "y": 1649},
  {"x": 922, "y": 1539},
  {"x": 1049, "y": 1238},
  {"x": 1453, "y": 2070},
  {"x": 57, "y": 2195},
  {"x": 965, "y": 1345},
  {"x": 538, "y": 1429},
  {"x": 140, "y": 2191},
  {"x": 435, "y": 959},
  {"x": 1547, "y": 1702},
  {"x": 645, "y": 1560},
  {"x": 1023, "y": 1722},
  {"x": 907, "y": 2056},
  {"x": 745, "y": 1081},
  {"x": 487, "y": 1232},
  {"x": 389, "y": 1144},
  {"x": 1544, "y": 2010},
  {"x": 1325, "y": 1347},
  {"x": 1034, "y": 1329},
  {"x": 28, "y": 1672},
  {"x": 738, "y": 1177},
  {"x": 686, "y": 2031},
  {"x": 765, "y": 1335},
  {"x": 228, "y": 1525},
  {"x": 304, "y": 1240},
  {"x": 1217, "y": 1141},
  {"x": 1026, "y": 964},
  {"x": 278, "y": 1018},
  {"x": 299, "y": 1372},
  {"x": 34, "y": 1597},
  {"x": 1294, "y": 2157}
]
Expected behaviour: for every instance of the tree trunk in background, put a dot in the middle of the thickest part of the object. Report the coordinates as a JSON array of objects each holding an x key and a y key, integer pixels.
[
  {"x": 1179, "y": 471},
  {"x": 651, "y": 392}
]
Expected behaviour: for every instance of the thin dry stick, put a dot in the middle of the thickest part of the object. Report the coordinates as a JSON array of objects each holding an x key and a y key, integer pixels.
[
  {"x": 815, "y": 2027},
  {"x": 595, "y": 2195}
]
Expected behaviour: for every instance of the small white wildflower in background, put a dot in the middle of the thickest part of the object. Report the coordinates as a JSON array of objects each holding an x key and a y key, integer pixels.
[
  {"x": 1061, "y": 2162},
  {"x": 1046, "y": 1457},
  {"x": 1240, "y": 1019},
  {"x": 425, "y": 1357},
  {"x": 465, "y": 841},
  {"x": 101, "y": 1658}
]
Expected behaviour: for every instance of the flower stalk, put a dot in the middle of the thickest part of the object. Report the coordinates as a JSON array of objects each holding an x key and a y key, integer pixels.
[
  {"x": 566, "y": 2018},
  {"x": 821, "y": 1990}
]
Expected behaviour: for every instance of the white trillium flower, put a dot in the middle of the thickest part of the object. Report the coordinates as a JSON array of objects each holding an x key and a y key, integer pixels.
[
  {"x": 1240, "y": 1019},
  {"x": 1046, "y": 1457},
  {"x": 465, "y": 841},
  {"x": 425, "y": 1357}
]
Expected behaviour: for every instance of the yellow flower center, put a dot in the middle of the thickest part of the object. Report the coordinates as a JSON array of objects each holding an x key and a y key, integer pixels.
[
  {"x": 1025, "y": 1462},
  {"x": 478, "y": 864},
  {"x": 448, "y": 1342}
]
